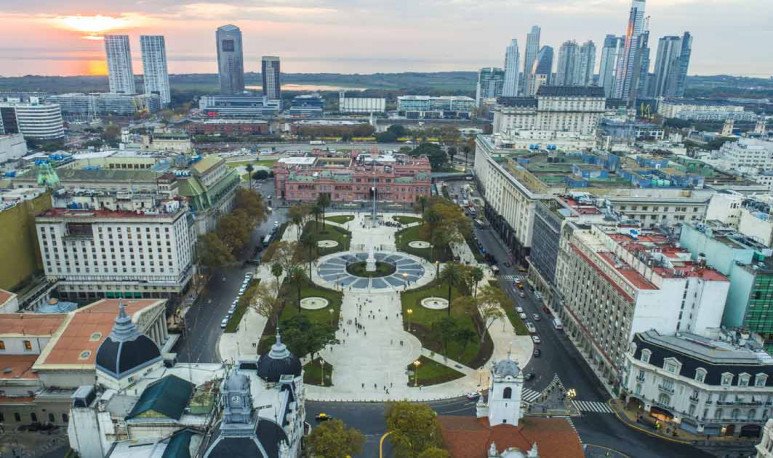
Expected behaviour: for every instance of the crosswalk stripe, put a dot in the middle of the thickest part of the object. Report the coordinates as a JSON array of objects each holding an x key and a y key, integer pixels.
[{"x": 592, "y": 406}]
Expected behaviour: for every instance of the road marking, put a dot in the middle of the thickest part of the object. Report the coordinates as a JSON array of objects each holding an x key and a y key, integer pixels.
[
  {"x": 592, "y": 406},
  {"x": 529, "y": 395}
]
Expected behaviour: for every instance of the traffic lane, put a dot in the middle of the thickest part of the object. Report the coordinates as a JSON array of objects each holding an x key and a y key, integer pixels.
[{"x": 606, "y": 430}]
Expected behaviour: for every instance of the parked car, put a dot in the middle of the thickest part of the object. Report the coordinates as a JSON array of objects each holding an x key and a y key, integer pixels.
[
  {"x": 537, "y": 352},
  {"x": 528, "y": 376},
  {"x": 473, "y": 395},
  {"x": 223, "y": 323},
  {"x": 546, "y": 310},
  {"x": 536, "y": 339},
  {"x": 522, "y": 315},
  {"x": 535, "y": 316},
  {"x": 530, "y": 326},
  {"x": 521, "y": 294},
  {"x": 519, "y": 309}
]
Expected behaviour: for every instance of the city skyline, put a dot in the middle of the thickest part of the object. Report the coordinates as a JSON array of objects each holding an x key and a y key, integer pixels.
[{"x": 63, "y": 39}]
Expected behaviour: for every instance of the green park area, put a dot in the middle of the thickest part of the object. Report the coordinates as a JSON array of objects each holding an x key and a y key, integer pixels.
[
  {"x": 404, "y": 237},
  {"x": 456, "y": 335},
  {"x": 430, "y": 372},
  {"x": 403, "y": 219},
  {"x": 314, "y": 370},
  {"x": 340, "y": 219},
  {"x": 317, "y": 231}
]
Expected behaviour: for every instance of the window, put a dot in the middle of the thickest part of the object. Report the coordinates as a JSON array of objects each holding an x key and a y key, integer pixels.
[
  {"x": 51, "y": 418},
  {"x": 65, "y": 418},
  {"x": 34, "y": 417},
  {"x": 718, "y": 414},
  {"x": 17, "y": 416},
  {"x": 727, "y": 379},
  {"x": 2, "y": 345},
  {"x": 743, "y": 379},
  {"x": 700, "y": 374},
  {"x": 645, "y": 355},
  {"x": 507, "y": 393},
  {"x": 759, "y": 379},
  {"x": 27, "y": 345}
]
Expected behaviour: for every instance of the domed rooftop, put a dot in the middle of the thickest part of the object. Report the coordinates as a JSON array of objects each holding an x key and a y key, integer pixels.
[
  {"x": 278, "y": 362},
  {"x": 506, "y": 368},
  {"x": 125, "y": 350}
]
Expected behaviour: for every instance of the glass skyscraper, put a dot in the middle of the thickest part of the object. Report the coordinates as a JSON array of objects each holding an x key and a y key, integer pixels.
[
  {"x": 230, "y": 60},
  {"x": 510, "y": 88}
]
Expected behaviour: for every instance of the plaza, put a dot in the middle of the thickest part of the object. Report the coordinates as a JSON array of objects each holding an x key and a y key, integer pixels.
[{"x": 375, "y": 356}]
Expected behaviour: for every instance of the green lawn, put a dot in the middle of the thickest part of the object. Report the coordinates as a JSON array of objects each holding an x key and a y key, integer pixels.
[
  {"x": 402, "y": 219},
  {"x": 241, "y": 307},
  {"x": 342, "y": 236},
  {"x": 471, "y": 353},
  {"x": 431, "y": 372},
  {"x": 308, "y": 289},
  {"x": 312, "y": 373},
  {"x": 340, "y": 219},
  {"x": 265, "y": 163},
  {"x": 512, "y": 315},
  {"x": 405, "y": 236}
]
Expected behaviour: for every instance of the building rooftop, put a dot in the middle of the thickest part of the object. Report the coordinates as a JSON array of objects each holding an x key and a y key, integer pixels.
[
  {"x": 167, "y": 397},
  {"x": 30, "y": 324},
  {"x": 17, "y": 367},
  {"x": 570, "y": 91},
  {"x": 471, "y": 437},
  {"x": 87, "y": 328},
  {"x": 105, "y": 214}
]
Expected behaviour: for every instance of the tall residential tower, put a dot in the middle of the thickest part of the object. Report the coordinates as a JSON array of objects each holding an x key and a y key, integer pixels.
[
  {"x": 490, "y": 82},
  {"x": 530, "y": 55},
  {"x": 610, "y": 53},
  {"x": 510, "y": 88},
  {"x": 119, "y": 64},
  {"x": 586, "y": 64},
  {"x": 272, "y": 81},
  {"x": 568, "y": 61},
  {"x": 230, "y": 60},
  {"x": 156, "y": 74},
  {"x": 626, "y": 78}
]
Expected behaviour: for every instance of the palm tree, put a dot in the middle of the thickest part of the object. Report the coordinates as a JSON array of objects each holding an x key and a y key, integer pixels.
[
  {"x": 296, "y": 277},
  {"x": 476, "y": 275},
  {"x": 309, "y": 242},
  {"x": 277, "y": 271},
  {"x": 323, "y": 201},
  {"x": 250, "y": 168},
  {"x": 453, "y": 275},
  {"x": 317, "y": 211}
]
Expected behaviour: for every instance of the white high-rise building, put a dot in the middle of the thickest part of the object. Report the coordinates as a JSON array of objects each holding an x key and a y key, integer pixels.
[
  {"x": 568, "y": 61},
  {"x": 610, "y": 53},
  {"x": 529, "y": 56},
  {"x": 587, "y": 64},
  {"x": 119, "y": 64},
  {"x": 33, "y": 119},
  {"x": 154, "y": 68},
  {"x": 510, "y": 88},
  {"x": 625, "y": 79}
]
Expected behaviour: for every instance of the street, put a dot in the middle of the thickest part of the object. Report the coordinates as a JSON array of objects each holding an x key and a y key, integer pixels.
[{"x": 198, "y": 344}]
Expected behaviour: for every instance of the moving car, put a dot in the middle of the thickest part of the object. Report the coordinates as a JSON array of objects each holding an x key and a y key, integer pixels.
[
  {"x": 528, "y": 376},
  {"x": 536, "y": 339},
  {"x": 537, "y": 352},
  {"x": 521, "y": 294},
  {"x": 536, "y": 317},
  {"x": 473, "y": 395},
  {"x": 323, "y": 417}
]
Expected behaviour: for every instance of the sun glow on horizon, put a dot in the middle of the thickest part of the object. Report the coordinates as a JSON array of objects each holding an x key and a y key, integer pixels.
[{"x": 93, "y": 25}]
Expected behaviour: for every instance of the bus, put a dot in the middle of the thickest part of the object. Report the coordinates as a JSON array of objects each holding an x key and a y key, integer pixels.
[
  {"x": 266, "y": 240},
  {"x": 557, "y": 324}
]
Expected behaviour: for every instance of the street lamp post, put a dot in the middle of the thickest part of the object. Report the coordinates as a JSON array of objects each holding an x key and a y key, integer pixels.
[
  {"x": 405, "y": 281},
  {"x": 416, "y": 365},
  {"x": 331, "y": 316},
  {"x": 410, "y": 312},
  {"x": 322, "y": 367},
  {"x": 437, "y": 269}
]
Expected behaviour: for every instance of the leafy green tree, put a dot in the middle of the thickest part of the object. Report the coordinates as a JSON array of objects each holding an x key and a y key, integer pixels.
[
  {"x": 451, "y": 152},
  {"x": 308, "y": 243},
  {"x": 434, "y": 452},
  {"x": 266, "y": 301},
  {"x": 253, "y": 204},
  {"x": 277, "y": 271},
  {"x": 281, "y": 252},
  {"x": 213, "y": 252},
  {"x": 232, "y": 231},
  {"x": 261, "y": 175},
  {"x": 438, "y": 159},
  {"x": 453, "y": 276},
  {"x": 333, "y": 439},
  {"x": 491, "y": 303},
  {"x": 414, "y": 427},
  {"x": 111, "y": 134},
  {"x": 304, "y": 336},
  {"x": 297, "y": 215},
  {"x": 445, "y": 330},
  {"x": 464, "y": 336}
]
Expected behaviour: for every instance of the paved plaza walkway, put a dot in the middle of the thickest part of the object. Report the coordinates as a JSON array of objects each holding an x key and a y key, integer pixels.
[{"x": 370, "y": 361}]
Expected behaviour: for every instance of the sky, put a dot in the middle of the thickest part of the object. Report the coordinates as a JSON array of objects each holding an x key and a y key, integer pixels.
[{"x": 55, "y": 37}]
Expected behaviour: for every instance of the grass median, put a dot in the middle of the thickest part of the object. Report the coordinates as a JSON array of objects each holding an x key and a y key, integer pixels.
[
  {"x": 340, "y": 219},
  {"x": 430, "y": 372}
]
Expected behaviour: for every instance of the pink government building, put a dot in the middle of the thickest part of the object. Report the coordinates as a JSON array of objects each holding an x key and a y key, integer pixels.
[{"x": 398, "y": 178}]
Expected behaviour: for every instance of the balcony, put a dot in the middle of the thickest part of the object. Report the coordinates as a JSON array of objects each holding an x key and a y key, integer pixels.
[
  {"x": 640, "y": 378},
  {"x": 694, "y": 398},
  {"x": 666, "y": 388}
]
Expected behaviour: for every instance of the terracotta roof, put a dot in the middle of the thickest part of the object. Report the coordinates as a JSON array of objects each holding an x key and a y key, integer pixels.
[
  {"x": 86, "y": 329},
  {"x": 470, "y": 437},
  {"x": 5, "y": 296},
  {"x": 30, "y": 324},
  {"x": 17, "y": 367}
]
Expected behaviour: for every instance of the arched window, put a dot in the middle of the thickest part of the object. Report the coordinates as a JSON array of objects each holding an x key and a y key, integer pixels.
[
  {"x": 718, "y": 414},
  {"x": 507, "y": 393},
  {"x": 735, "y": 414},
  {"x": 664, "y": 399},
  {"x": 752, "y": 414},
  {"x": 645, "y": 355}
]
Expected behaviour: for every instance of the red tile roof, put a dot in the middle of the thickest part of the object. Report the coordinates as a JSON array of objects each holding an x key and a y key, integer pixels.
[
  {"x": 4, "y": 296},
  {"x": 30, "y": 324},
  {"x": 17, "y": 367},
  {"x": 469, "y": 437},
  {"x": 87, "y": 328}
]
